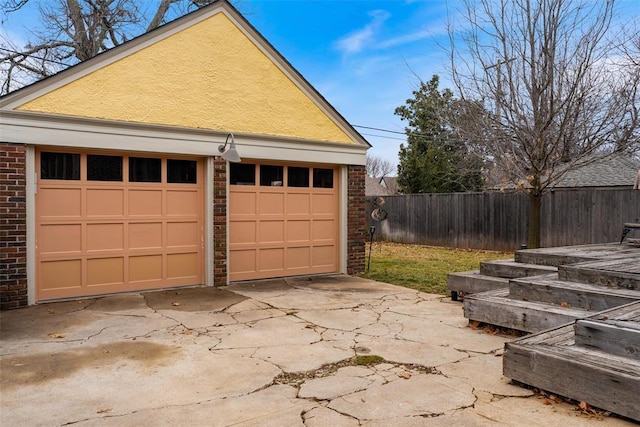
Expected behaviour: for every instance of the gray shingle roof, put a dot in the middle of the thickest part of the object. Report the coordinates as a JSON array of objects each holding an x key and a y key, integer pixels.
[{"x": 612, "y": 171}]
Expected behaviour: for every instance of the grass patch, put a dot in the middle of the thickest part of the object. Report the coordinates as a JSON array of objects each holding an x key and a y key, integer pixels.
[
  {"x": 423, "y": 268},
  {"x": 367, "y": 360}
]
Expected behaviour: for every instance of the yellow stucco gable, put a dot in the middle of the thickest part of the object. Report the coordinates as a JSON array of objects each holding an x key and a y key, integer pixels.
[{"x": 210, "y": 75}]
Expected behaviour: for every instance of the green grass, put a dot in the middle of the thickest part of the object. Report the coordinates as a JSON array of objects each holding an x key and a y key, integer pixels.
[{"x": 424, "y": 268}]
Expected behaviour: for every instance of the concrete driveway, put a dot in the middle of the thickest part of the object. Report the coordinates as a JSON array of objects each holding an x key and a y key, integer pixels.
[{"x": 269, "y": 353}]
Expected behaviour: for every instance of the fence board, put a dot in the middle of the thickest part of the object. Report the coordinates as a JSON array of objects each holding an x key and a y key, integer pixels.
[{"x": 499, "y": 221}]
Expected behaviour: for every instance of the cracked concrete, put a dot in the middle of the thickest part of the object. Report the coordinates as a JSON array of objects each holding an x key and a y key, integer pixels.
[{"x": 278, "y": 352}]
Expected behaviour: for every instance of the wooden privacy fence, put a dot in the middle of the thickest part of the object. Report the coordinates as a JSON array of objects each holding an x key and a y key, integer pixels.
[{"x": 499, "y": 221}]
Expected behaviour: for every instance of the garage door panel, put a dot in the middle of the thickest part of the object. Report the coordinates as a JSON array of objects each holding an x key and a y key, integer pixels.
[
  {"x": 145, "y": 235},
  {"x": 183, "y": 203},
  {"x": 271, "y": 259},
  {"x": 147, "y": 267},
  {"x": 102, "y": 202},
  {"x": 243, "y": 203},
  {"x": 59, "y": 238},
  {"x": 243, "y": 232},
  {"x": 65, "y": 274},
  {"x": 182, "y": 234},
  {"x": 324, "y": 204},
  {"x": 271, "y": 232},
  {"x": 271, "y": 203},
  {"x": 105, "y": 271},
  {"x": 323, "y": 255},
  {"x": 323, "y": 229},
  {"x": 299, "y": 203},
  {"x": 182, "y": 265},
  {"x": 243, "y": 261},
  {"x": 101, "y": 237},
  {"x": 299, "y": 230},
  {"x": 60, "y": 202},
  {"x": 145, "y": 202},
  {"x": 298, "y": 258}
]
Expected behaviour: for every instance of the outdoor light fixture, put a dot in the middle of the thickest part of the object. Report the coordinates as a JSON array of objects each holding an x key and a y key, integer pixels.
[{"x": 230, "y": 155}]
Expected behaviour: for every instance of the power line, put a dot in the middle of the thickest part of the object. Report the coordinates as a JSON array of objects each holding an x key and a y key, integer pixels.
[
  {"x": 382, "y": 136},
  {"x": 379, "y": 129}
]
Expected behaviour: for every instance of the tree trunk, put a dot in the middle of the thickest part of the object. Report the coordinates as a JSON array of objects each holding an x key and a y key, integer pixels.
[{"x": 535, "y": 207}]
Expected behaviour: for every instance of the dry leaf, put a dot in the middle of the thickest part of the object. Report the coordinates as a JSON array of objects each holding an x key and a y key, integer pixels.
[
  {"x": 565, "y": 304},
  {"x": 473, "y": 324},
  {"x": 546, "y": 401},
  {"x": 584, "y": 406},
  {"x": 405, "y": 375},
  {"x": 54, "y": 335},
  {"x": 175, "y": 304}
]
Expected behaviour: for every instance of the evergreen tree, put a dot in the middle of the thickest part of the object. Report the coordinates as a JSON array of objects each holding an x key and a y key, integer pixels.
[{"x": 435, "y": 159}]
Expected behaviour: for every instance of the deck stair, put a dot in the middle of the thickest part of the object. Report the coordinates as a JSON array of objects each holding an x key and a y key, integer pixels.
[
  {"x": 492, "y": 275},
  {"x": 532, "y": 302},
  {"x": 595, "y": 360}
]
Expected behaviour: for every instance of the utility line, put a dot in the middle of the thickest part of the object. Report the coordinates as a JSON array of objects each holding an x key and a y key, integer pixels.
[{"x": 379, "y": 129}]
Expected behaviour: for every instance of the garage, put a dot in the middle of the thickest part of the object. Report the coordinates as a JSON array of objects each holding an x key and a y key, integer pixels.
[
  {"x": 117, "y": 176},
  {"x": 111, "y": 222},
  {"x": 283, "y": 220}
]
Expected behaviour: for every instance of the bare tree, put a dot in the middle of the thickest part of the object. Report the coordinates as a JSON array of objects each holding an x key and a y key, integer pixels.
[
  {"x": 547, "y": 87},
  {"x": 377, "y": 167},
  {"x": 72, "y": 31}
]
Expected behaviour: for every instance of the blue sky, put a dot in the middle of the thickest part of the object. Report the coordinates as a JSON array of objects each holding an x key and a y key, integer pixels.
[{"x": 365, "y": 57}]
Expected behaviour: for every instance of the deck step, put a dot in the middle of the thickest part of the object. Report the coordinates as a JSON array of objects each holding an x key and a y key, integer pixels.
[
  {"x": 573, "y": 254},
  {"x": 471, "y": 282},
  {"x": 616, "y": 273},
  {"x": 617, "y": 334},
  {"x": 496, "y": 308},
  {"x": 511, "y": 269},
  {"x": 556, "y": 361},
  {"x": 551, "y": 290}
]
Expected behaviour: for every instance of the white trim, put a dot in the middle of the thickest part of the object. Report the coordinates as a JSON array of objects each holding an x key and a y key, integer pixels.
[
  {"x": 208, "y": 221},
  {"x": 44, "y": 129},
  {"x": 30, "y": 199},
  {"x": 228, "y": 221},
  {"x": 344, "y": 217}
]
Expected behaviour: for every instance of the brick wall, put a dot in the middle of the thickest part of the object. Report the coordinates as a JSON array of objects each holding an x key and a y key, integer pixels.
[
  {"x": 13, "y": 227},
  {"x": 356, "y": 220},
  {"x": 219, "y": 222}
]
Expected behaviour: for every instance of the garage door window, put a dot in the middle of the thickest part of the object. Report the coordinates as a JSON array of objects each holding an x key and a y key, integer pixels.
[
  {"x": 322, "y": 178},
  {"x": 271, "y": 176},
  {"x": 104, "y": 168},
  {"x": 242, "y": 174},
  {"x": 298, "y": 177},
  {"x": 143, "y": 169},
  {"x": 64, "y": 166},
  {"x": 182, "y": 171}
]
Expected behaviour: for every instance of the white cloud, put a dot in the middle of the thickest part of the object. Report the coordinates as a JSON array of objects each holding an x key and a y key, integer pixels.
[{"x": 360, "y": 39}]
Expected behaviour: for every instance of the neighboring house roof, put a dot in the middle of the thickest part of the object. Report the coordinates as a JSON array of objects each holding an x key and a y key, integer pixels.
[
  {"x": 384, "y": 186},
  {"x": 618, "y": 170},
  {"x": 209, "y": 70}
]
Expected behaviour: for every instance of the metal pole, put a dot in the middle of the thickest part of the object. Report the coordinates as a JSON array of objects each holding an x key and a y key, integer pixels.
[{"x": 372, "y": 231}]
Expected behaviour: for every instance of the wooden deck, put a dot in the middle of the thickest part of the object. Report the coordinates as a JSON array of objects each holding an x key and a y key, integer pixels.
[
  {"x": 595, "y": 360},
  {"x": 583, "y": 308}
]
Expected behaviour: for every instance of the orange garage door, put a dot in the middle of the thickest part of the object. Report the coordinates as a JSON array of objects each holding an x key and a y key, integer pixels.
[
  {"x": 113, "y": 222},
  {"x": 283, "y": 220}
]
